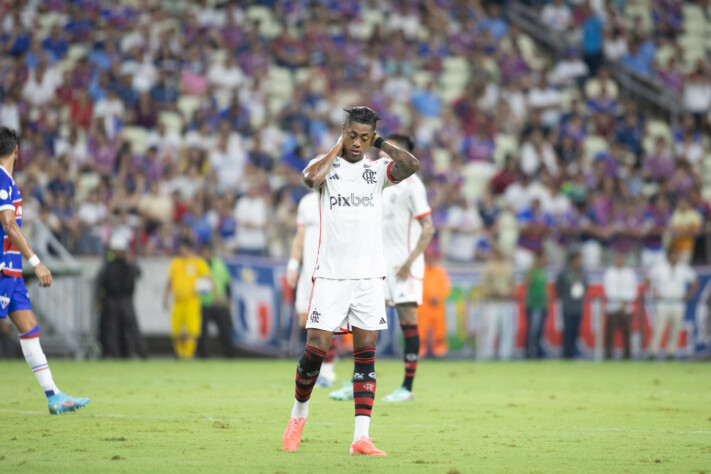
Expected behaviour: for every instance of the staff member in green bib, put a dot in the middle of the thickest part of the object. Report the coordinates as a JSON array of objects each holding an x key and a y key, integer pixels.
[
  {"x": 216, "y": 304},
  {"x": 536, "y": 306}
]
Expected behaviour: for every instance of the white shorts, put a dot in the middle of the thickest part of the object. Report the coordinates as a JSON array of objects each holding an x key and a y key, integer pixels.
[
  {"x": 403, "y": 291},
  {"x": 339, "y": 305},
  {"x": 303, "y": 294}
]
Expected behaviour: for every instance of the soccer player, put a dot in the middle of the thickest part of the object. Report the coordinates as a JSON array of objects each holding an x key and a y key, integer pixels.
[
  {"x": 350, "y": 266},
  {"x": 187, "y": 273},
  {"x": 14, "y": 299},
  {"x": 404, "y": 244}
]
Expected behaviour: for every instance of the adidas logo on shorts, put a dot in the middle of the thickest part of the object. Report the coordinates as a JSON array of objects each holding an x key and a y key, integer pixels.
[{"x": 382, "y": 321}]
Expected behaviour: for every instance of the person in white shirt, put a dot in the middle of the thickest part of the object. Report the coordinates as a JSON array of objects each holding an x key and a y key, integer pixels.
[
  {"x": 697, "y": 91},
  {"x": 465, "y": 226},
  {"x": 407, "y": 231},
  {"x": 226, "y": 74},
  {"x": 519, "y": 195},
  {"x": 111, "y": 110},
  {"x": 672, "y": 283},
  {"x": 41, "y": 86},
  {"x": 75, "y": 149},
  {"x": 557, "y": 16},
  {"x": 92, "y": 215},
  {"x": 620, "y": 284},
  {"x": 228, "y": 160},
  {"x": 547, "y": 100},
  {"x": 350, "y": 266},
  {"x": 9, "y": 112},
  {"x": 251, "y": 214},
  {"x": 537, "y": 152},
  {"x": 570, "y": 71}
]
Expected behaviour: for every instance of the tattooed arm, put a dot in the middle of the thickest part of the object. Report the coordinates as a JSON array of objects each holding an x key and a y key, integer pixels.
[
  {"x": 317, "y": 169},
  {"x": 404, "y": 164}
]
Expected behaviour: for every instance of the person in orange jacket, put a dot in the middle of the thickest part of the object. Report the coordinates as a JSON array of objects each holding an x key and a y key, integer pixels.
[{"x": 432, "y": 316}]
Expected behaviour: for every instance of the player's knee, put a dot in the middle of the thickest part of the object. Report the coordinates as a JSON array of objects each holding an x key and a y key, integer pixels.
[
  {"x": 366, "y": 339},
  {"x": 318, "y": 340},
  {"x": 407, "y": 313}
]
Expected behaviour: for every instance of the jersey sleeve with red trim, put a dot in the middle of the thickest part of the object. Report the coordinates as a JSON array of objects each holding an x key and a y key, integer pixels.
[
  {"x": 387, "y": 178},
  {"x": 417, "y": 198}
]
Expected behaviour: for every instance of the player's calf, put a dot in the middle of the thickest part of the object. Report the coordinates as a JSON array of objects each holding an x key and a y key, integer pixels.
[
  {"x": 363, "y": 389},
  {"x": 57, "y": 401},
  {"x": 411, "y": 356}
]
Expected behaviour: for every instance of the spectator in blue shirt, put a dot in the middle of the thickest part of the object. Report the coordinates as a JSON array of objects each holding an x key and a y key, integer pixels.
[
  {"x": 16, "y": 43},
  {"x": 494, "y": 23},
  {"x": 103, "y": 55},
  {"x": 592, "y": 40},
  {"x": 55, "y": 43},
  {"x": 637, "y": 61},
  {"x": 164, "y": 94},
  {"x": 426, "y": 102},
  {"x": 630, "y": 134}
]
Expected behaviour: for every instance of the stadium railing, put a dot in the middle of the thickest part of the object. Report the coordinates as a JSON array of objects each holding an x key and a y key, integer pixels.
[
  {"x": 65, "y": 310},
  {"x": 661, "y": 99}
]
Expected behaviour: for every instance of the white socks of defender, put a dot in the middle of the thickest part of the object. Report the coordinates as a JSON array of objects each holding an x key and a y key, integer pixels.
[
  {"x": 300, "y": 410},
  {"x": 362, "y": 425},
  {"x": 37, "y": 361}
]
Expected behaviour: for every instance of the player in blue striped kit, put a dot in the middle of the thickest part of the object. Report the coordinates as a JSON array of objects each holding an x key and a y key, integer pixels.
[{"x": 14, "y": 299}]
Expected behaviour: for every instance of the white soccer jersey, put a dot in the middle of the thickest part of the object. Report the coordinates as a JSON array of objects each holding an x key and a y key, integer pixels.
[
  {"x": 351, "y": 236},
  {"x": 307, "y": 216},
  {"x": 402, "y": 205}
]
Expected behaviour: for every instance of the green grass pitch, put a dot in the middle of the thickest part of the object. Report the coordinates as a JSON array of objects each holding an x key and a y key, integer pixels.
[{"x": 220, "y": 416}]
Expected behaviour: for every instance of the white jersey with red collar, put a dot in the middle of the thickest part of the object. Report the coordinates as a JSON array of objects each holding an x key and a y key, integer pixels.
[
  {"x": 402, "y": 206},
  {"x": 351, "y": 213}
]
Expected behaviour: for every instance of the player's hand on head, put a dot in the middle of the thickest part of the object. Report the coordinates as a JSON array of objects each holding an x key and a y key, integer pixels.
[{"x": 43, "y": 275}]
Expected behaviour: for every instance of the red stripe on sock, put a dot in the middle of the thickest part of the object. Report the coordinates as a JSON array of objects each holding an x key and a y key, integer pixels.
[
  {"x": 315, "y": 350},
  {"x": 364, "y": 401},
  {"x": 363, "y": 412},
  {"x": 365, "y": 349}
]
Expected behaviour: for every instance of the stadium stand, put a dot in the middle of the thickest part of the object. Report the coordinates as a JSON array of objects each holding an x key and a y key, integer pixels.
[{"x": 183, "y": 106}]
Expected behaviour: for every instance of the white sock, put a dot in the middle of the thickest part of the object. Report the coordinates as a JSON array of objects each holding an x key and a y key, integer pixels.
[
  {"x": 327, "y": 369},
  {"x": 37, "y": 361},
  {"x": 362, "y": 424},
  {"x": 300, "y": 410}
]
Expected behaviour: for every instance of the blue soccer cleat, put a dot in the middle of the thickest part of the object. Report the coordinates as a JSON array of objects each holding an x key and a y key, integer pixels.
[{"x": 61, "y": 403}]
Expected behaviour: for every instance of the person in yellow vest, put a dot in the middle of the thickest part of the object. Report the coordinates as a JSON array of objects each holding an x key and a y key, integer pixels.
[{"x": 188, "y": 277}]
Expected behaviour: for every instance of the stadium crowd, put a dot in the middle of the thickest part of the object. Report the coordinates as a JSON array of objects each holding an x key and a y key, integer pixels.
[{"x": 162, "y": 120}]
